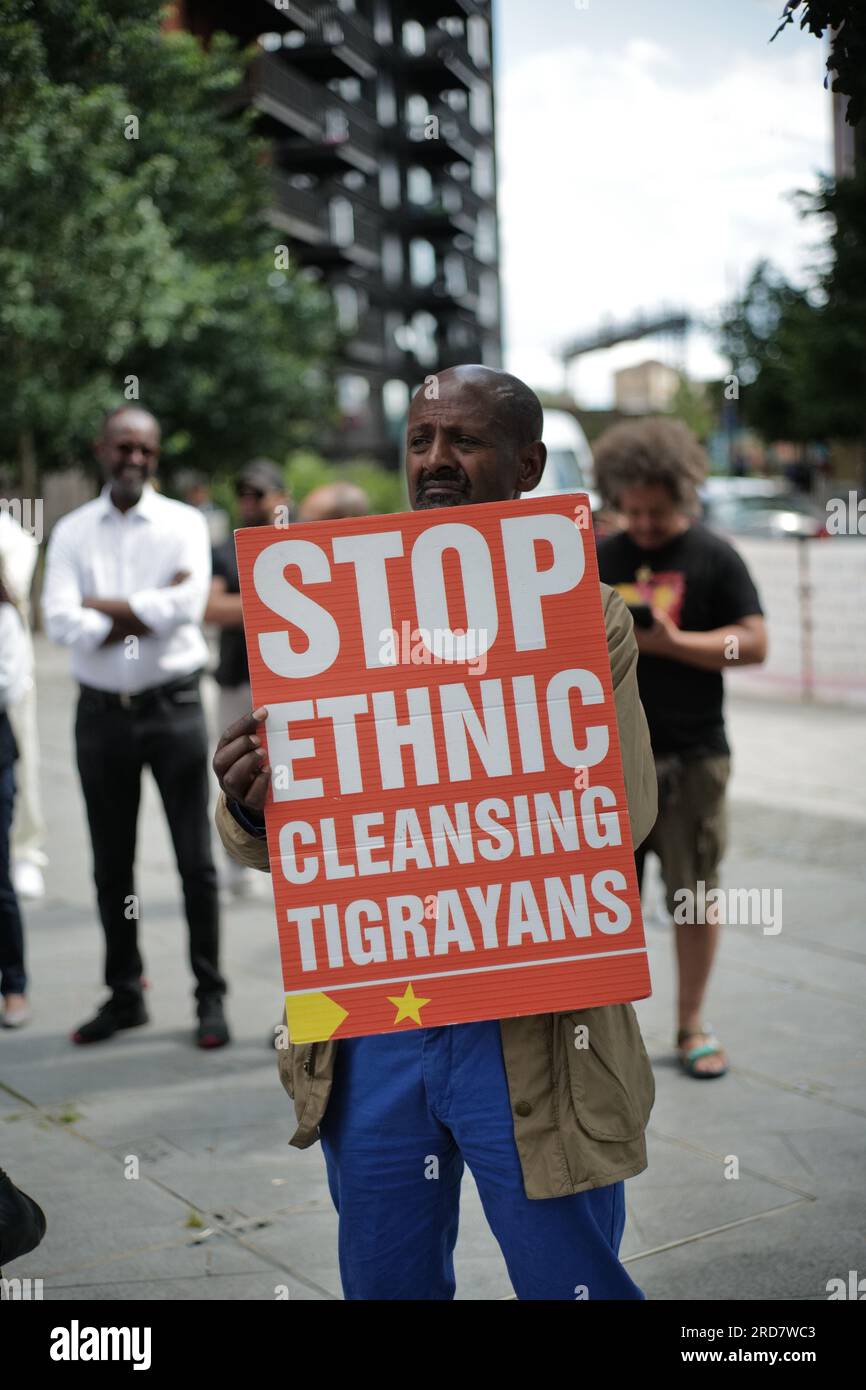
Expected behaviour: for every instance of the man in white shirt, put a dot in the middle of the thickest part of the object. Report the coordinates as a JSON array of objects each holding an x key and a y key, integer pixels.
[
  {"x": 126, "y": 582},
  {"x": 19, "y": 551},
  {"x": 14, "y": 682}
]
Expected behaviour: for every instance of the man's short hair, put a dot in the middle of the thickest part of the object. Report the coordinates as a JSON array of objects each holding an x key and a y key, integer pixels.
[
  {"x": 644, "y": 453},
  {"x": 511, "y": 397},
  {"x": 522, "y": 405},
  {"x": 128, "y": 408}
]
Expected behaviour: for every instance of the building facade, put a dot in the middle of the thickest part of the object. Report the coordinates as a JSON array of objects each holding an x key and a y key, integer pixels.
[
  {"x": 380, "y": 116},
  {"x": 645, "y": 389}
]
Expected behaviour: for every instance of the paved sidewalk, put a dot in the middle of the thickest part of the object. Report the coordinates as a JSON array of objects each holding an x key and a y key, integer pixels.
[{"x": 224, "y": 1209}]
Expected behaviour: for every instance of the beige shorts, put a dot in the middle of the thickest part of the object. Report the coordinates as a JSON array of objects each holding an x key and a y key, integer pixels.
[{"x": 690, "y": 833}]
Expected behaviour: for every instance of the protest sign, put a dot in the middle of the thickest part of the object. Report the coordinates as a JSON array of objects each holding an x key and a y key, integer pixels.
[{"x": 447, "y": 824}]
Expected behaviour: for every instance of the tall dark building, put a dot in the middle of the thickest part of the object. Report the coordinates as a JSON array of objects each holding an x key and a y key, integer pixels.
[{"x": 381, "y": 118}]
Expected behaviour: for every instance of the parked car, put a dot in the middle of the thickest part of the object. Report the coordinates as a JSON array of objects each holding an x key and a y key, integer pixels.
[
  {"x": 761, "y": 508},
  {"x": 569, "y": 466}
]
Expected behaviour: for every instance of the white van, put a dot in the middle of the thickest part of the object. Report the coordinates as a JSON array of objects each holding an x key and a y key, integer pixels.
[{"x": 569, "y": 466}]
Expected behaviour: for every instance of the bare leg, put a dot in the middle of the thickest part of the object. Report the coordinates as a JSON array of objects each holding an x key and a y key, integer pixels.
[{"x": 696, "y": 946}]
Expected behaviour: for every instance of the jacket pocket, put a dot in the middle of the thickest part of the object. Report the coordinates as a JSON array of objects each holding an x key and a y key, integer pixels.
[
  {"x": 610, "y": 1075},
  {"x": 297, "y": 1068}
]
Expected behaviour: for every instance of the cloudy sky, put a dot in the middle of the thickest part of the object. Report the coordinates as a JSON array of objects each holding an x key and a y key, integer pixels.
[{"x": 646, "y": 152}]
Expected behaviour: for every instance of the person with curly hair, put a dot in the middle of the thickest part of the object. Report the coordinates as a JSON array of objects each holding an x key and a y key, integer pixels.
[{"x": 696, "y": 612}]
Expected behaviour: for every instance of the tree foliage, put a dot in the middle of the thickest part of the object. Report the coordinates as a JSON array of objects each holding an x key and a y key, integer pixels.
[
  {"x": 692, "y": 405},
  {"x": 385, "y": 489},
  {"x": 800, "y": 352},
  {"x": 133, "y": 244},
  {"x": 845, "y": 21}
]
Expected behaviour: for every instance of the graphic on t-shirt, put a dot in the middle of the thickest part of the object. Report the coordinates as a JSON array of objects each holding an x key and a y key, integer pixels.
[{"x": 665, "y": 590}]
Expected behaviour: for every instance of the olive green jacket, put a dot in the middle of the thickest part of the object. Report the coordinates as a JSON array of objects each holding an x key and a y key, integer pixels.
[{"x": 579, "y": 1112}]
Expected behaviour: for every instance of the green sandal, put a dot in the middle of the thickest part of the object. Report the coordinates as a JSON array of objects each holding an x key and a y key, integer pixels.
[{"x": 706, "y": 1049}]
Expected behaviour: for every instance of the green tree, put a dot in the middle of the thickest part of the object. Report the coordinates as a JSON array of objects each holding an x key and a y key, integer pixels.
[
  {"x": 133, "y": 244},
  {"x": 800, "y": 353},
  {"x": 845, "y": 22},
  {"x": 692, "y": 405},
  {"x": 386, "y": 490},
  {"x": 766, "y": 334},
  {"x": 833, "y": 373}
]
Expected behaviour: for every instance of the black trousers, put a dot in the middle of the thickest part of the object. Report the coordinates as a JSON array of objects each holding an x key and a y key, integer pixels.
[
  {"x": 165, "y": 731},
  {"x": 640, "y": 863},
  {"x": 12, "y": 977}
]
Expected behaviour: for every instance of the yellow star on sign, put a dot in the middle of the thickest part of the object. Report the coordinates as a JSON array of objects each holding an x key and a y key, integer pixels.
[{"x": 409, "y": 1006}]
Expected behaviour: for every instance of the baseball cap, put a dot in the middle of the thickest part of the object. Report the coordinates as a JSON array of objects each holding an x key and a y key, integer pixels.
[{"x": 262, "y": 475}]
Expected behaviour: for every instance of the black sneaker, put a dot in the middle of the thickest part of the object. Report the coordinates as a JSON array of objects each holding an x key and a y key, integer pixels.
[
  {"x": 116, "y": 1014},
  {"x": 212, "y": 1030}
]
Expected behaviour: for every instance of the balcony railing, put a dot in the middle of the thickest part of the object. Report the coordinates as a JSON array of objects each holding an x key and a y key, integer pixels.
[
  {"x": 453, "y": 209},
  {"x": 335, "y": 45},
  {"x": 305, "y": 213},
  {"x": 444, "y": 66},
  {"x": 281, "y": 92},
  {"x": 331, "y": 129},
  {"x": 427, "y": 12},
  {"x": 442, "y": 296},
  {"x": 298, "y": 210},
  {"x": 367, "y": 343},
  {"x": 451, "y": 138}
]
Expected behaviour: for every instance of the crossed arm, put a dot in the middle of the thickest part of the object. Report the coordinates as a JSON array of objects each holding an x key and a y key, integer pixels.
[
  {"x": 88, "y": 622},
  {"x": 124, "y": 622}
]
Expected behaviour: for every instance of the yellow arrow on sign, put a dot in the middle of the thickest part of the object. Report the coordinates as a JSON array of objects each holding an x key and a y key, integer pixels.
[{"x": 313, "y": 1017}]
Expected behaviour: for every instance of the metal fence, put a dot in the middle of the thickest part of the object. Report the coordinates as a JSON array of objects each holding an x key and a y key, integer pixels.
[{"x": 814, "y": 595}]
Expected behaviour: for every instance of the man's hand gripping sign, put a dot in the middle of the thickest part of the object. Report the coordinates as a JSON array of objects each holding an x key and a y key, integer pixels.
[{"x": 447, "y": 823}]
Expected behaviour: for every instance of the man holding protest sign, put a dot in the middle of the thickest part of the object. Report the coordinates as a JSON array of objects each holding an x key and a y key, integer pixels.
[{"x": 470, "y": 908}]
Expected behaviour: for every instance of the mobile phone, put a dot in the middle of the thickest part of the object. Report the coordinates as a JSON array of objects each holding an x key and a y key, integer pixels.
[{"x": 642, "y": 614}]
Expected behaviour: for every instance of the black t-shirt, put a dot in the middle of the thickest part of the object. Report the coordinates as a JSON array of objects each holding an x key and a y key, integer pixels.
[
  {"x": 701, "y": 582},
  {"x": 232, "y": 668}
]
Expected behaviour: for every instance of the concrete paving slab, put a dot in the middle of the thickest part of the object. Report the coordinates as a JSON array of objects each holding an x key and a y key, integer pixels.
[{"x": 789, "y": 1255}]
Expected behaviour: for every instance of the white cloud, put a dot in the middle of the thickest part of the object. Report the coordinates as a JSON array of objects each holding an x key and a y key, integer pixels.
[{"x": 626, "y": 183}]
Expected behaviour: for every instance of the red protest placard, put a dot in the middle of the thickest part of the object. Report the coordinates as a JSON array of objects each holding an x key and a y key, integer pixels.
[{"x": 447, "y": 825}]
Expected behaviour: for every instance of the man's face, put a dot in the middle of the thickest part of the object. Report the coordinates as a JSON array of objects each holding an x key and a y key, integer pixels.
[
  {"x": 461, "y": 449},
  {"x": 651, "y": 516},
  {"x": 257, "y": 508},
  {"x": 129, "y": 453}
]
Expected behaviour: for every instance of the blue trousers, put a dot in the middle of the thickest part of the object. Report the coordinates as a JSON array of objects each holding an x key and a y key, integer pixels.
[{"x": 405, "y": 1111}]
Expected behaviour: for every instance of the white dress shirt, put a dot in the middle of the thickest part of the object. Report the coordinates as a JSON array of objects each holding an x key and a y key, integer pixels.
[
  {"x": 15, "y": 658},
  {"x": 98, "y": 551},
  {"x": 19, "y": 552}
]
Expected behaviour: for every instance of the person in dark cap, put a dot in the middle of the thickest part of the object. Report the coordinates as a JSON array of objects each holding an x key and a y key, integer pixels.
[{"x": 262, "y": 501}]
